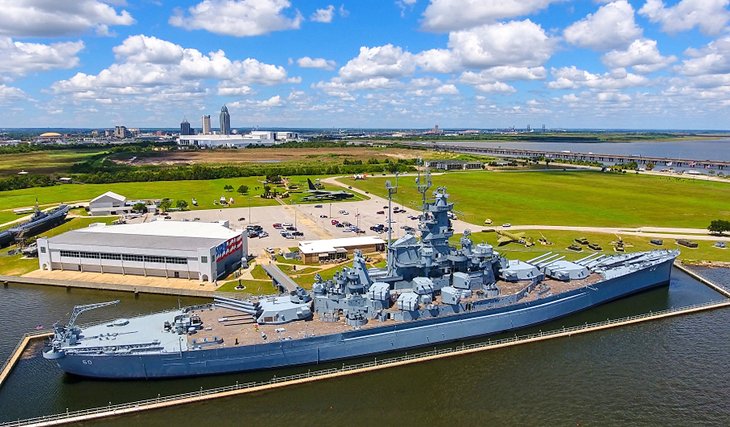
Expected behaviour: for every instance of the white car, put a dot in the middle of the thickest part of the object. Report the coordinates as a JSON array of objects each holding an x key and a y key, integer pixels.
[{"x": 506, "y": 225}]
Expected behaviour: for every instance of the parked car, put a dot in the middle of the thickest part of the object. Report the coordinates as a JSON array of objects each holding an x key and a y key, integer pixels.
[
  {"x": 291, "y": 228},
  {"x": 339, "y": 225},
  {"x": 286, "y": 224},
  {"x": 263, "y": 234},
  {"x": 317, "y": 206},
  {"x": 270, "y": 251},
  {"x": 323, "y": 216},
  {"x": 380, "y": 212},
  {"x": 506, "y": 225},
  {"x": 242, "y": 219},
  {"x": 334, "y": 222},
  {"x": 297, "y": 233},
  {"x": 276, "y": 225}
]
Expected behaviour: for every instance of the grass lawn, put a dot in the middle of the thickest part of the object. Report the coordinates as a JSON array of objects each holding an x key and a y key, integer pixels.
[
  {"x": 289, "y": 269},
  {"x": 307, "y": 280},
  {"x": 259, "y": 273},
  {"x": 43, "y": 162},
  {"x": 17, "y": 265},
  {"x": 296, "y": 196},
  {"x": 205, "y": 191},
  {"x": 562, "y": 239},
  {"x": 572, "y": 198},
  {"x": 253, "y": 287}
]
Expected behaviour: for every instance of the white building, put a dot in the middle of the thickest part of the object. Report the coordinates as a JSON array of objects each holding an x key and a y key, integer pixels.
[
  {"x": 109, "y": 203},
  {"x": 336, "y": 249},
  {"x": 237, "y": 141},
  {"x": 287, "y": 136},
  {"x": 190, "y": 250}
]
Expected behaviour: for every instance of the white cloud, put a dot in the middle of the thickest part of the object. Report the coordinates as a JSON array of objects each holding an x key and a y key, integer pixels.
[
  {"x": 572, "y": 78},
  {"x": 710, "y": 16},
  {"x": 234, "y": 91},
  {"x": 323, "y": 15},
  {"x": 321, "y": 63},
  {"x": 10, "y": 93},
  {"x": 19, "y": 58},
  {"x": 449, "y": 15},
  {"x": 611, "y": 27},
  {"x": 240, "y": 18},
  {"x": 274, "y": 101},
  {"x": 438, "y": 61},
  {"x": 153, "y": 67},
  {"x": 517, "y": 43},
  {"x": 447, "y": 89},
  {"x": 380, "y": 61},
  {"x": 613, "y": 97},
  {"x": 141, "y": 48},
  {"x": 642, "y": 55},
  {"x": 711, "y": 59},
  {"x": 43, "y": 18}
]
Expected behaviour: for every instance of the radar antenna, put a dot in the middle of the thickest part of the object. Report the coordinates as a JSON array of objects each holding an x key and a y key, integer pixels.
[
  {"x": 82, "y": 308},
  {"x": 391, "y": 190}
]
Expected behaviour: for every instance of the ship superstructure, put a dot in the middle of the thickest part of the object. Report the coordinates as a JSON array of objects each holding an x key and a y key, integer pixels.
[{"x": 430, "y": 292}]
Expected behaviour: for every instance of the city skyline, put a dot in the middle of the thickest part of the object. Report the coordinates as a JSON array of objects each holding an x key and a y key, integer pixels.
[{"x": 643, "y": 64}]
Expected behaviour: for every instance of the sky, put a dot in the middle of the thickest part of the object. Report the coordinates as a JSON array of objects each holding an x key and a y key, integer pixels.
[{"x": 639, "y": 64}]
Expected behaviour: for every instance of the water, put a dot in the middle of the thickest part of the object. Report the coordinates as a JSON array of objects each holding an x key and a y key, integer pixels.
[
  {"x": 716, "y": 149},
  {"x": 670, "y": 372}
]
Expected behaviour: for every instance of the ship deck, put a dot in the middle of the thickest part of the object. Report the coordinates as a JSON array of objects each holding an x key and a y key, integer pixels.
[{"x": 237, "y": 328}]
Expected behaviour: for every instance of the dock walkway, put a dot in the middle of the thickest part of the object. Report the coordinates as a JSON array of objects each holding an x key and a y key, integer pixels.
[{"x": 279, "y": 277}]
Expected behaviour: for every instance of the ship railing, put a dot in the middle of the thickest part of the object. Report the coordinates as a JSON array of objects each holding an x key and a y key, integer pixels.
[{"x": 119, "y": 409}]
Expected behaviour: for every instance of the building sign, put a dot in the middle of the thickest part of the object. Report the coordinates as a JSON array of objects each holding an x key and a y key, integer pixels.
[{"x": 228, "y": 247}]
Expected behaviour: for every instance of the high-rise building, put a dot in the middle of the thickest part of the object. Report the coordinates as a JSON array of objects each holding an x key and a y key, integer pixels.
[
  {"x": 121, "y": 132},
  {"x": 206, "y": 124},
  {"x": 185, "y": 127},
  {"x": 225, "y": 121}
]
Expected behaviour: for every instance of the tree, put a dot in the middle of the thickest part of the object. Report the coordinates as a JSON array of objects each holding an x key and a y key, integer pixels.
[
  {"x": 165, "y": 204},
  {"x": 181, "y": 204},
  {"x": 719, "y": 226},
  {"x": 139, "y": 207},
  {"x": 650, "y": 166},
  {"x": 243, "y": 189},
  {"x": 228, "y": 187},
  {"x": 267, "y": 190}
]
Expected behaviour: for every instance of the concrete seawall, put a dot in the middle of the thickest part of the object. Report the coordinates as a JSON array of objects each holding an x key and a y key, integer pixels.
[{"x": 108, "y": 286}]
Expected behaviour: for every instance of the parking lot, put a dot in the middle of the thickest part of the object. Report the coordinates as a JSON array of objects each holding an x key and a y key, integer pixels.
[{"x": 315, "y": 222}]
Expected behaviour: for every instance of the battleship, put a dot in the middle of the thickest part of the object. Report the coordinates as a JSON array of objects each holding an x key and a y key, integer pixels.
[
  {"x": 430, "y": 292},
  {"x": 38, "y": 223}
]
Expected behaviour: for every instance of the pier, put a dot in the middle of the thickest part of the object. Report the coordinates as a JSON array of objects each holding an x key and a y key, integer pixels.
[
  {"x": 121, "y": 287},
  {"x": 18, "y": 352},
  {"x": 608, "y": 159},
  {"x": 718, "y": 288}
]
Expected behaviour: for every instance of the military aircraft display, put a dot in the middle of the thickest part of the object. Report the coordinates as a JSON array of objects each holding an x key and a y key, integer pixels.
[
  {"x": 316, "y": 194},
  {"x": 506, "y": 237}
]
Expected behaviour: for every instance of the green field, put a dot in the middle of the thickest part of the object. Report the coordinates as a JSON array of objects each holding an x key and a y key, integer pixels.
[
  {"x": 48, "y": 161},
  {"x": 580, "y": 198},
  {"x": 17, "y": 265},
  {"x": 562, "y": 239},
  {"x": 205, "y": 191}
]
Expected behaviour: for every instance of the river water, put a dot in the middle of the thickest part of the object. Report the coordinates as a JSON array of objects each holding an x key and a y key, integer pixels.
[
  {"x": 668, "y": 372},
  {"x": 703, "y": 149}
]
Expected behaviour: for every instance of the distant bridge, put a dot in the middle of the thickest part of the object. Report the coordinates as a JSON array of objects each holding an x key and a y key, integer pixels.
[{"x": 607, "y": 159}]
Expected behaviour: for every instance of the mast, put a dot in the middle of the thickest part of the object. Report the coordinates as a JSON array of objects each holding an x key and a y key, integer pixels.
[{"x": 391, "y": 190}]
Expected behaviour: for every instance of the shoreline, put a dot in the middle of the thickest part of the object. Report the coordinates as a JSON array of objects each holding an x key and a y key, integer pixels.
[{"x": 708, "y": 264}]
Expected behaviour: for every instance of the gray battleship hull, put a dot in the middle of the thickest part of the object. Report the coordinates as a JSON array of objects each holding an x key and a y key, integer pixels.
[{"x": 368, "y": 341}]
